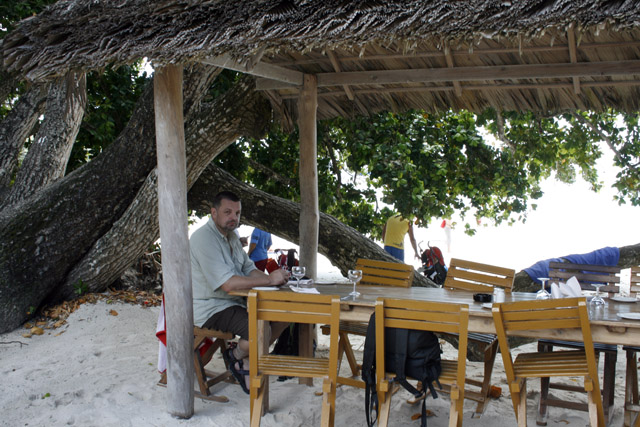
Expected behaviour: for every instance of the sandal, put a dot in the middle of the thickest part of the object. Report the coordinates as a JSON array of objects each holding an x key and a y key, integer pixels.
[{"x": 238, "y": 373}]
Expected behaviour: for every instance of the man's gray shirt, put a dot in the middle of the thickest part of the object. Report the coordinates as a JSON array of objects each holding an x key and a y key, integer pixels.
[{"x": 214, "y": 260}]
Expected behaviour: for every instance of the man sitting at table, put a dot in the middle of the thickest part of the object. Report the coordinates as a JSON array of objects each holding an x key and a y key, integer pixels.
[{"x": 219, "y": 266}]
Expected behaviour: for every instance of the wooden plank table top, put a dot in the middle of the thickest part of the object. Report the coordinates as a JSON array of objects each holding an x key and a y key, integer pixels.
[{"x": 606, "y": 326}]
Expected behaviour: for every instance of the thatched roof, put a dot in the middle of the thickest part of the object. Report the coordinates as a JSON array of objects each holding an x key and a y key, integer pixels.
[{"x": 541, "y": 55}]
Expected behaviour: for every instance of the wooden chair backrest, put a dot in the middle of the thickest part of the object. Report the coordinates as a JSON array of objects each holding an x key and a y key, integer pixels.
[
  {"x": 635, "y": 283},
  {"x": 535, "y": 315},
  {"x": 383, "y": 273},
  {"x": 586, "y": 275},
  {"x": 422, "y": 316},
  {"x": 477, "y": 277},
  {"x": 293, "y": 307}
]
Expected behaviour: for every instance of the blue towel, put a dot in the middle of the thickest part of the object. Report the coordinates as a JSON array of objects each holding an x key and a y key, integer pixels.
[{"x": 606, "y": 256}]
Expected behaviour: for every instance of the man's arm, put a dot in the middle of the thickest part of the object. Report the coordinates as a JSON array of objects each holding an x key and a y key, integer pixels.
[
  {"x": 255, "y": 278},
  {"x": 252, "y": 246},
  {"x": 413, "y": 240}
]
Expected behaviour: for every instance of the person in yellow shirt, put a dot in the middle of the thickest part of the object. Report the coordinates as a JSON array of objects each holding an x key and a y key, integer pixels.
[{"x": 393, "y": 234}]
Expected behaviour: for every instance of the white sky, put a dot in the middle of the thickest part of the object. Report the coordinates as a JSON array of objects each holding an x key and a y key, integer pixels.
[{"x": 569, "y": 219}]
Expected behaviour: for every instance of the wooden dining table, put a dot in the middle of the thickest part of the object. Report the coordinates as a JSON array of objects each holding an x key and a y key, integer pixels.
[{"x": 606, "y": 324}]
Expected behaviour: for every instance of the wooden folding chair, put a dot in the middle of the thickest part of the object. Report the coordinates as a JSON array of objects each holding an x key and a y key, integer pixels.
[
  {"x": 631, "y": 398},
  {"x": 374, "y": 273},
  {"x": 201, "y": 357},
  {"x": 423, "y": 316},
  {"x": 299, "y": 308},
  {"x": 482, "y": 278},
  {"x": 556, "y": 315},
  {"x": 586, "y": 275}
]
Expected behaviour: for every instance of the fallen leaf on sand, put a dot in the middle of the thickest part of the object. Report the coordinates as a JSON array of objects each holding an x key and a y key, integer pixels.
[
  {"x": 37, "y": 330},
  {"x": 418, "y": 416},
  {"x": 113, "y": 312}
]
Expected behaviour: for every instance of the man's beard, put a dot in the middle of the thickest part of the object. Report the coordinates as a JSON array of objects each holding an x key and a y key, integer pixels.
[{"x": 230, "y": 226}]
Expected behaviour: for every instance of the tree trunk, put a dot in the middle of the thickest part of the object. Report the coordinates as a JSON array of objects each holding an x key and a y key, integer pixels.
[
  {"x": 14, "y": 130},
  {"x": 341, "y": 244},
  {"x": 46, "y": 235},
  {"x": 241, "y": 111},
  {"x": 48, "y": 155}
]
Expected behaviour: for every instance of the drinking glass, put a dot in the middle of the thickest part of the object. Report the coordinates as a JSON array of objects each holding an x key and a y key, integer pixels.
[
  {"x": 597, "y": 300},
  {"x": 543, "y": 293},
  {"x": 298, "y": 272},
  {"x": 355, "y": 276}
]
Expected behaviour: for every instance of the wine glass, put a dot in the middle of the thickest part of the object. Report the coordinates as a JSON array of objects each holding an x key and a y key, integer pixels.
[
  {"x": 355, "y": 276},
  {"x": 597, "y": 300},
  {"x": 298, "y": 272},
  {"x": 543, "y": 293}
]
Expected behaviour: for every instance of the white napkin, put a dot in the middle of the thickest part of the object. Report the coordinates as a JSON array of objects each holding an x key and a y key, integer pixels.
[
  {"x": 294, "y": 282},
  {"x": 572, "y": 288},
  {"x": 305, "y": 290},
  {"x": 555, "y": 291}
]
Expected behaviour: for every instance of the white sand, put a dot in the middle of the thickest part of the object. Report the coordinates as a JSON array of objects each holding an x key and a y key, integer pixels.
[{"x": 102, "y": 372}]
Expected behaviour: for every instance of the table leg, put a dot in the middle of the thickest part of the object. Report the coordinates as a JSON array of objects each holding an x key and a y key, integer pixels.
[{"x": 305, "y": 346}]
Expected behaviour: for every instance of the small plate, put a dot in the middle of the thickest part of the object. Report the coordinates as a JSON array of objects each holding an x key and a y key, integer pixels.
[
  {"x": 487, "y": 305},
  {"x": 623, "y": 299},
  {"x": 632, "y": 316},
  {"x": 266, "y": 288}
]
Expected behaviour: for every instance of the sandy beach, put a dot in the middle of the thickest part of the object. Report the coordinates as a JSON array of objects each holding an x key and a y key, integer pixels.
[{"x": 100, "y": 369}]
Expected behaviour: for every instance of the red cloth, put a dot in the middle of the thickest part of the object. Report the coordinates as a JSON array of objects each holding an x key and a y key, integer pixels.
[
  {"x": 262, "y": 264},
  {"x": 161, "y": 333},
  {"x": 271, "y": 266}
]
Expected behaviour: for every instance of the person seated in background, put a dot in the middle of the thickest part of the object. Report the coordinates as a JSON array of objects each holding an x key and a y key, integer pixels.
[
  {"x": 220, "y": 266},
  {"x": 259, "y": 248},
  {"x": 393, "y": 234}
]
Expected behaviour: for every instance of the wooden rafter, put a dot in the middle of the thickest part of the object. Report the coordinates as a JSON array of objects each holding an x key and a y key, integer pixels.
[
  {"x": 416, "y": 89},
  {"x": 260, "y": 69},
  {"x": 449, "y": 58},
  {"x": 489, "y": 73},
  {"x": 573, "y": 57},
  {"x": 347, "y": 90},
  {"x": 556, "y": 48}
]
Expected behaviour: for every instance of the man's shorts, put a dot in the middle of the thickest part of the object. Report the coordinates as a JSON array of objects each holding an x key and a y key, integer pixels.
[
  {"x": 398, "y": 253},
  {"x": 233, "y": 319}
]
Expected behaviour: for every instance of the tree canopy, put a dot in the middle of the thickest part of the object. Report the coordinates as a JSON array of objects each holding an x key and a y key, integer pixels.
[{"x": 436, "y": 165}]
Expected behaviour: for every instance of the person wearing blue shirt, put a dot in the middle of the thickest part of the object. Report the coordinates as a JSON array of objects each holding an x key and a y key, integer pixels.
[{"x": 259, "y": 248}]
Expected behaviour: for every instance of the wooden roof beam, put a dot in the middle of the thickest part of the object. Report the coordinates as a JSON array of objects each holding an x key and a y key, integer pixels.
[
  {"x": 441, "y": 75},
  {"x": 449, "y": 58},
  {"x": 573, "y": 57},
  {"x": 258, "y": 69},
  {"x": 557, "y": 47},
  {"x": 499, "y": 87},
  {"x": 336, "y": 66}
]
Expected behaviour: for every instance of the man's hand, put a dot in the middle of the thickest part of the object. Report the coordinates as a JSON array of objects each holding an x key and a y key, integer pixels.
[{"x": 278, "y": 277}]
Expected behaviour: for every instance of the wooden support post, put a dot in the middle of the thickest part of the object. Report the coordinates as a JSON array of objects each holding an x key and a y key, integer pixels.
[
  {"x": 174, "y": 235},
  {"x": 309, "y": 211}
]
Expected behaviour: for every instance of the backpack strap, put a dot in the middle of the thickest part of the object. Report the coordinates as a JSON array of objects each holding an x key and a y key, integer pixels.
[
  {"x": 402, "y": 343},
  {"x": 369, "y": 373}
]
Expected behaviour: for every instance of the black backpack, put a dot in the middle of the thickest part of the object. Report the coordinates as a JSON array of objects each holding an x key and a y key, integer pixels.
[{"x": 408, "y": 353}]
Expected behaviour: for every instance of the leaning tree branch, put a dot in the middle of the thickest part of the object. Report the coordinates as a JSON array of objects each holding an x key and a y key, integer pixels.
[{"x": 602, "y": 136}]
